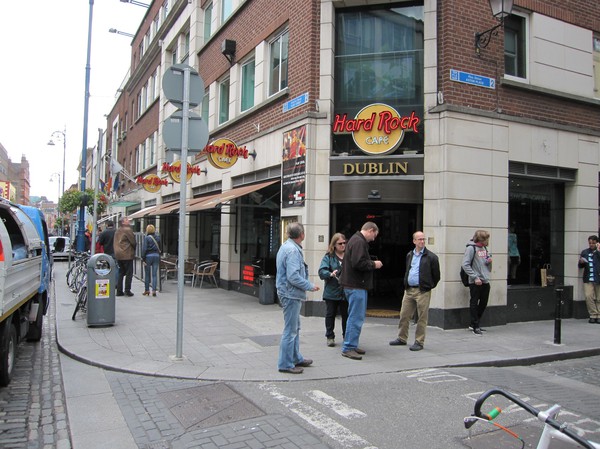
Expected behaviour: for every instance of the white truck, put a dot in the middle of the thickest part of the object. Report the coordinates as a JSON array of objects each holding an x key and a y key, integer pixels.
[{"x": 25, "y": 277}]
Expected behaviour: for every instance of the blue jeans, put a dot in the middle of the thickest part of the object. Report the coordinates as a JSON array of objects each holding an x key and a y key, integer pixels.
[
  {"x": 152, "y": 264},
  {"x": 289, "y": 348},
  {"x": 357, "y": 311}
]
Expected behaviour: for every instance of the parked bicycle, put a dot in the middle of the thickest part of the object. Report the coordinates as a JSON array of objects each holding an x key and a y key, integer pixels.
[
  {"x": 77, "y": 271},
  {"x": 553, "y": 429}
]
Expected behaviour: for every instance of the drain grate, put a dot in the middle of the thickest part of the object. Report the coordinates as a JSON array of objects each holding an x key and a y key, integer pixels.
[
  {"x": 158, "y": 445},
  {"x": 208, "y": 406}
]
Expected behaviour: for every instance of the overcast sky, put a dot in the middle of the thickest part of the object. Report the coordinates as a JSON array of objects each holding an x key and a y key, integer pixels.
[{"x": 43, "y": 44}]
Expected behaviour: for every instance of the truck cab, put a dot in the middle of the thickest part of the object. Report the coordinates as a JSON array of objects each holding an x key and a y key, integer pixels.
[{"x": 25, "y": 277}]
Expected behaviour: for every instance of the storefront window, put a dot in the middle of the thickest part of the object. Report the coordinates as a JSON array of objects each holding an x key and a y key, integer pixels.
[
  {"x": 536, "y": 218},
  {"x": 379, "y": 59}
]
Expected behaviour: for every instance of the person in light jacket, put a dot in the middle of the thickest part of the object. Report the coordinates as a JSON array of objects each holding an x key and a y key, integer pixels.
[
  {"x": 292, "y": 284},
  {"x": 477, "y": 263}
]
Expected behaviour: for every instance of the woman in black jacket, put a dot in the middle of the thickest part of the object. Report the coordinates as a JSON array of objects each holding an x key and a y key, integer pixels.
[{"x": 333, "y": 293}]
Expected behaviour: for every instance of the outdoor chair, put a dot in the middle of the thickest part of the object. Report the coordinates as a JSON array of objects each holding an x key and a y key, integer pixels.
[{"x": 203, "y": 270}]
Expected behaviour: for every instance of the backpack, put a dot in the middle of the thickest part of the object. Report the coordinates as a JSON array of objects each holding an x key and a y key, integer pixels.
[{"x": 464, "y": 277}]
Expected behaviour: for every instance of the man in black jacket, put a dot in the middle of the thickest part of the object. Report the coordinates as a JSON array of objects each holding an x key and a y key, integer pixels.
[
  {"x": 422, "y": 275},
  {"x": 589, "y": 260},
  {"x": 357, "y": 279}
]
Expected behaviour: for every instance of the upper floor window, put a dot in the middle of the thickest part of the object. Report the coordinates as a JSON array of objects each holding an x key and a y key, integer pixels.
[
  {"x": 278, "y": 64},
  {"x": 223, "y": 101},
  {"x": 515, "y": 46},
  {"x": 208, "y": 21},
  {"x": 597, "y": 66},
  {"x": 247, "y": 85},
  {"x": 165, "y": 10},
  {"x": 186, "y": 48},
  {"x": 226, "y": 9}
]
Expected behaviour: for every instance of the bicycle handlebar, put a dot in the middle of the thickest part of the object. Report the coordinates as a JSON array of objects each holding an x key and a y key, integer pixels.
[{"x": 542, "y": 416}]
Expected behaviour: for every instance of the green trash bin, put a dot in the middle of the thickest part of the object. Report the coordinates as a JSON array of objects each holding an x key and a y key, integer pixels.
[{"x": 101, "y": 283}]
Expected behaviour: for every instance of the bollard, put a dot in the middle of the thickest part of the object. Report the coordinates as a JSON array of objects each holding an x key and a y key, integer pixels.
[{"x": 557, "y": 315}]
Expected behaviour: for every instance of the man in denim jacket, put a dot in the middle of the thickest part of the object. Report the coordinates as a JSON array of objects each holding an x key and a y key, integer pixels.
[{"x": 292, "y": 284}]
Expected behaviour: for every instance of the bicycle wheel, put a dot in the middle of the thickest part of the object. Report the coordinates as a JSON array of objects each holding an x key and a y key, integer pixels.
[{"x": 81, "y": 301}]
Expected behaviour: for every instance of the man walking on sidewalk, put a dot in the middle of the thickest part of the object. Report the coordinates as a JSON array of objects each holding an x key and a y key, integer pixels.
[
  {"x": 421, "y": 276},
  {"x": 292, "y": 284},
  {"x": 124, "y": 246},
  {"x": 357, "y": 279}
]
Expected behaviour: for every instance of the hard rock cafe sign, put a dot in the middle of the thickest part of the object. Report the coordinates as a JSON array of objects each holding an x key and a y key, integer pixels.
[
  {"x": 377, "y": 129},
  {"x": 224, "y": 153},
  {"x": 174, "y": 170},
  {"x": 151, "y": 183}
]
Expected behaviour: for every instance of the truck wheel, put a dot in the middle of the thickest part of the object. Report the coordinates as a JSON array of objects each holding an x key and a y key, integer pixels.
[
  {"x": 8, "y": 351},
  {"x": 35, "y": 328}
]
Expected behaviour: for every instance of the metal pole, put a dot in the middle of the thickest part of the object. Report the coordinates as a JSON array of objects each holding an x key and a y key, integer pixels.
[
  {"x": 557, "y": 315},
  {"x": 182, "y": 200},
  {"x": 96, "y": 188},
  {"x": 86, "y": 104},
  {"x": 62, "y": 230}
]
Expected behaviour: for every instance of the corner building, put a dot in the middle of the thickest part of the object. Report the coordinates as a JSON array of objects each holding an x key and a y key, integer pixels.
[{"x": 334, "y": 113}]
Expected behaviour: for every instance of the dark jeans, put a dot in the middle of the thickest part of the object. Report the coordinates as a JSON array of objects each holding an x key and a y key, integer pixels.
[
  {"x": 478, "y": 302},
  {"x": 333, "y": 307},
  {"x": 125, "y": 271}
]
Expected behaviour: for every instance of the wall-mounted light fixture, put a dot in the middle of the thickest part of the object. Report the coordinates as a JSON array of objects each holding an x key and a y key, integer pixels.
[
  {"x": 228, "y": 50},
  {"x": 500, "y": 9},
  {"x": 204, "y": 170},
  {"x": 253, "y": 154},
  {"x": 136, "y": 3},
  {"x": 374, "y": 195}
]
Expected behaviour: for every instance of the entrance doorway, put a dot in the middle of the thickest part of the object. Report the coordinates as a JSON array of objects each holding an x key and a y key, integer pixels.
[{"x": 397, "y": 223}]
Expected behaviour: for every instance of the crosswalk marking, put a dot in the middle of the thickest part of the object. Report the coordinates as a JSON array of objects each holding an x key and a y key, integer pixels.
[
  {"x": 344, "y": 410},
  {"x": 318, "y": 420}
]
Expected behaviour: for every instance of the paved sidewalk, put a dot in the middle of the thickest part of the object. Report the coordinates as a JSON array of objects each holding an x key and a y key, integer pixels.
[{"x": 231, "y": 337}]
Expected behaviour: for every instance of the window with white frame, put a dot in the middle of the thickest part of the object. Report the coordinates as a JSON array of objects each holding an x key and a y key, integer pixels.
[
  {"x": 186, "y": 48},
  {"x": 247, "y": 97},
  {"x": 278, "y": 63},
  {"x": 143, "y": 155},
  {"x": 144, "y": 97},
  {"x": 204, "y": 107},
  {"x": 152, "y": 147},
  {"x": 515, "y": 46},
  {"x": 136, "y": 161},
  {"x": 223, "y": 101},
  {"x": 226, "y": 9},
  {"x": 156, "y": 82},
  {"x": 596, "y": 49},
  {"x": 208, "y": 21},
  {"x": 139, "y": 105},
  {"x": 165, "y": 10},
  {"x": 155, "y": 25}
]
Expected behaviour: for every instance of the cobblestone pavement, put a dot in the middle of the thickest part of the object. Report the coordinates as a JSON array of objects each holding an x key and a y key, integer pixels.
[
  {"x": 32, "y": 407},
  {"x": 174, "y": 414}
]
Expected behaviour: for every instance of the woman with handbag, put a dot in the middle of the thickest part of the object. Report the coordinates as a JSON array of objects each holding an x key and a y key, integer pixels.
[
  {"x": 333, "y": 293},
  {"x": 151, "y": 258}
]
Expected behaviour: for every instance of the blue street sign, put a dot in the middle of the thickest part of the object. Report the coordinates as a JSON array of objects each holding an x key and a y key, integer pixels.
[
  {"x": 470, "y": 78},
  {"x": 295, "y": 102}
]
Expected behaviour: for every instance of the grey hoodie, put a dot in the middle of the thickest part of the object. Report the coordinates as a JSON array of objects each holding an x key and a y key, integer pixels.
[{"x": 481, "y": 266}]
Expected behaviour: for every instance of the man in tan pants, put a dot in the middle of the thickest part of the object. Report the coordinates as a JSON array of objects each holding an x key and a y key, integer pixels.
[{"x": 589, "y": 260}]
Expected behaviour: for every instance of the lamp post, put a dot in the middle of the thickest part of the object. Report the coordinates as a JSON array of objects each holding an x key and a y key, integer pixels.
[
  {"x": 61, "y": 135},
  {"x": 500, "y": 10},
  {"x": 86, "y": 107},
  {"x": 52, "y": 177},
  {"x": 135, "y": 2}
]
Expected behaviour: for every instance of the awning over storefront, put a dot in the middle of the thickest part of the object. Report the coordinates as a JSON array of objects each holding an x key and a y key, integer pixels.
[
  {"x": 142, "y": 213},
  {"x": 228, "y": 196},
  {"x": 189, "y": 203},
  {"x": 165, "y": 208},
  {"x": 123, "y": 204}
]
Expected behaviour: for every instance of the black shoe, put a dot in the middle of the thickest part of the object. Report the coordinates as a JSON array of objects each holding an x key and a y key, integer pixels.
[
  {"x": 416, "y": 346},
  {"x": 129, "y": 293},
  {"x": 481, "y": 329},
  {"x": 593, "y": 320},
  {"x": 397, "y": 342},
  {"x": 477, "y": 331},
  {"x": 120, "y": 294}
]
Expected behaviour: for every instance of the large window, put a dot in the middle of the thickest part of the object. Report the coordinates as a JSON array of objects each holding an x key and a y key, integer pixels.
[
  {"x": 515, "y": 56},
  {"x": 379, "y": 59},
  {"x": 223, "y": 101},
  {"x": 207, "y": 21},
  {"x": 597, "y": 66},
  {"x": 536, "y": 218},
  {"x": 247, "y": 85},
  {"x": 278, "y": 64},
  {"x": 226, "y": 10}
]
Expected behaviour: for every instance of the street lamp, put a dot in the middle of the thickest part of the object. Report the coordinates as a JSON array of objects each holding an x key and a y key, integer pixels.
[
  {"x": 61, "y": 135},
  {"x": 500, "y": 10},
  {"x": 122, "y": 33},
  {"x": 52, "y": 177},
  {"x": 135, "y": 2}
]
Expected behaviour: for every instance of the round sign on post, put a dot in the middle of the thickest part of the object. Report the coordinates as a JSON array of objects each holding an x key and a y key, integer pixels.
[{"x": 172, "y": 84}]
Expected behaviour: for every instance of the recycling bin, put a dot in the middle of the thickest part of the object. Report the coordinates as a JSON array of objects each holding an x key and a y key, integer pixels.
[
  {"x": 266, "y": 289},
  {"x": 101, "y": 285}
]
